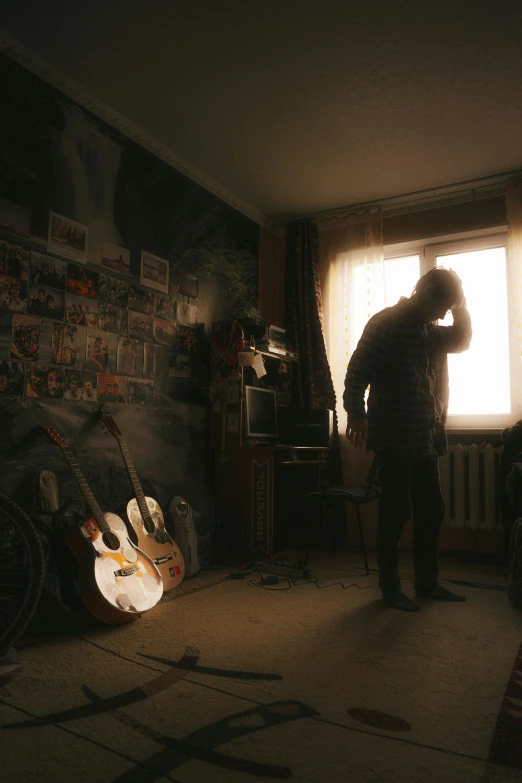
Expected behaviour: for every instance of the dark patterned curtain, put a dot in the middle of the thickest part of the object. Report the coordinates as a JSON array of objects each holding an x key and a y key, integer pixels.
[{"x": 312, "y": 379}]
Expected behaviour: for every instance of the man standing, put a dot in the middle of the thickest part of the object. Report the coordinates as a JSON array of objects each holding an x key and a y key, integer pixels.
[{"x": 402, "y": 355}]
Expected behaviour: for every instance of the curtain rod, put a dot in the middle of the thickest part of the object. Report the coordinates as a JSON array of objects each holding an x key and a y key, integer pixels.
[{"x": 467, "y": 190}]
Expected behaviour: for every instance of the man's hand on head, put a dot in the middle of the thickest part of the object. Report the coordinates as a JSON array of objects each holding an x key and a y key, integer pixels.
[{"x": 357, "y": 432}]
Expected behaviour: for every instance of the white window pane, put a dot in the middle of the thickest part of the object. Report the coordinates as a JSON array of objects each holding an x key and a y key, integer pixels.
[
  {"x": 480, "y": 377},
  {"x": 400, "y": 275}
]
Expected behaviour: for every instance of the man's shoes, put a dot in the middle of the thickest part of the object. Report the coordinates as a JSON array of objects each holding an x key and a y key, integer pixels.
[
  {"x": 399, "y": 600},
  {"x": 440, "y": 593}
]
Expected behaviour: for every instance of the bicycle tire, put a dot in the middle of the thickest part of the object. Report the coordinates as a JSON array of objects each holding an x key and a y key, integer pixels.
[{"x": 11, "y": 513}]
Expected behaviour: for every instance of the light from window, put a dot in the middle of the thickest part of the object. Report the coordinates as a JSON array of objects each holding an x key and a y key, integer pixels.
[{"x": 480, "y": 377}]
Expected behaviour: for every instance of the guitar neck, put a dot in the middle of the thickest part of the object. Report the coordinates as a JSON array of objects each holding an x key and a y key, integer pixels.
[
  {"x": 131, "y": 470},
  {"x": 91, "y": 501}
]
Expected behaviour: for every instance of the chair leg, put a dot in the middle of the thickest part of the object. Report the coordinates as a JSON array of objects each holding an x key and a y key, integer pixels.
[{"x": 361, "y": 534}]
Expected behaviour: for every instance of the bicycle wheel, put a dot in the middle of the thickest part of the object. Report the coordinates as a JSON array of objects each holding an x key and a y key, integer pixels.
[{"x": 22, "y": 571}]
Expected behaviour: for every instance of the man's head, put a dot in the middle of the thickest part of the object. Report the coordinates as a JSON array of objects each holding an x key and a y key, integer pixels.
[
  {"x": 41, "y": 295},
  {"x": 36, "y": 378},
  {"x": 116, "y": 389},
  {"x": 88, "y": 388},
  {"x": 108, "y": 389},
  {"x": 54, "y": 382},
  {"x": 15, "y": 288},
  {"x": 73, "y": 383},
  {"x": 438, "y": 291}
]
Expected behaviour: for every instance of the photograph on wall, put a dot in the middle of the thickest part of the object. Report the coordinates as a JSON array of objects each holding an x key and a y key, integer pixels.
[
  {"x": 186, "y": 339},
  {"x": 46, "y": 302},
  {"x": 35, "y": 380},
  {"x": 179, "y": 366},
  {"x": 14, "y": 218},
  {"x": 64, "y": 344},
  {"x": 140, "y": 392},
  {"x": 55, "y": 383},
  {"x": 11, "y": 378},
  {"x": 81, "y": 386},
  {"x": 112, "y": 388},
  {"x": 13, "y": 294},
  {"x": 25, "y": 341},
  {"x": 115, "y": 257},
  {"x": 154, "y": 272},
  {"x": 188, "y": 285},
  {"x": 164, "y": 332},
  {"x": 150, "y": 360},
  {"x": 187, "y": 314},
  {"x": 112, "y": 319},
  {"x": 141, "y": 326},
  {"x": 67, "y": 238},
  {"x": 80, "y": 312},
  {"x": 140, "y": 300},
  {"x": 166, "y": 306},
  {"x": 127, "y": 356},
  {"x": 82, "y": 282},
  {"x": 14, "y": 260},
  {"x": 48, "y": 271},
  {"x": 97, "y": 353},
  {"x": 113, "y": 291}
]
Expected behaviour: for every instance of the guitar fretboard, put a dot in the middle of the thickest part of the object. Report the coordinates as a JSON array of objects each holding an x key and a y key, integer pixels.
[
  {"x": 91, "y": 501},
  {"x": 140, "y": 497}
]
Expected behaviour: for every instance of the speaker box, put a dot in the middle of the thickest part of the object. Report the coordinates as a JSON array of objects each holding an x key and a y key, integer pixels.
[{"x": 193, "y": 535}]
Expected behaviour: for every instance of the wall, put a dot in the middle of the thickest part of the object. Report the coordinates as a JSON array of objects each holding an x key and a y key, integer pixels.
[{"x": 56, "y": 157}]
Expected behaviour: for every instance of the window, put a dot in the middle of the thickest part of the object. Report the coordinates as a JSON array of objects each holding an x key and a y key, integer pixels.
[{"x": 486, "y": 380}]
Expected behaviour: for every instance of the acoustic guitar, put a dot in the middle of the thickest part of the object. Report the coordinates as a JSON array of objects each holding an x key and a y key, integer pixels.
[
  {"x": 145, "y": 517},
  {"x": 118, "y": 581}
]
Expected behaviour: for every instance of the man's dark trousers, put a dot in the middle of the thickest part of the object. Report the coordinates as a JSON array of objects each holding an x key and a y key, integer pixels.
[{"x": 409, "y": 486}]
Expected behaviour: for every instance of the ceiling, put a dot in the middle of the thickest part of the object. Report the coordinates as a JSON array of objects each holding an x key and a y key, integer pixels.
[{"x": 300, "y": 107}]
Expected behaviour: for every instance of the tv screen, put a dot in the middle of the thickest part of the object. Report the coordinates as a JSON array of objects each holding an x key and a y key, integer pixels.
[{"x": 261, "y": 412}]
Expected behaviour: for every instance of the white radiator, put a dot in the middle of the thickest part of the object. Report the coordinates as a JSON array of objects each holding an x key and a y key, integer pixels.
[{"x": 469, "y": 481}]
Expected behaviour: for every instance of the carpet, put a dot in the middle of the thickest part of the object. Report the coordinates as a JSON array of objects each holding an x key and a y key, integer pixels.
[{"x": 229, "y": 681}]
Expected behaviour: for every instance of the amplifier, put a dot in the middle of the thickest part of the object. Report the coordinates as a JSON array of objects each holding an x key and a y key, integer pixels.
[{"x": 305, "y": 428}]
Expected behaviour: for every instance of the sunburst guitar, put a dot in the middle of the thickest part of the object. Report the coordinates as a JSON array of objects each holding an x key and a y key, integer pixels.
[
  {"x": 145, "y": 517},
  {"x": 118, "y": 581}
]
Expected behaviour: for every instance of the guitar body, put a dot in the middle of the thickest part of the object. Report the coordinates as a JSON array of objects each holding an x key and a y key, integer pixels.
[
  {"x": 157, "y": 544},
  {"x": 116, "y": 584}
]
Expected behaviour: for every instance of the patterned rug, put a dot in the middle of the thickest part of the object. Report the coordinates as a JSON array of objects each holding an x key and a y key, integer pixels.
[{"x": 231, "y": 681}]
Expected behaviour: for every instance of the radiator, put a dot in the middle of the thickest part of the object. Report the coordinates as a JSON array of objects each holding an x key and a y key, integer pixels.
[{"x": 469, "y": 481}]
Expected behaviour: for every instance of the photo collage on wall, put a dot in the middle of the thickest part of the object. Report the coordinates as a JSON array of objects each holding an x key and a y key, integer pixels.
[{"x": 71, "y": 333}]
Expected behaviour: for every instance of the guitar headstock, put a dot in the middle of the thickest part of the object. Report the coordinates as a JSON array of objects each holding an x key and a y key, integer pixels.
[
  {"x": 54, "y": 436},
  {"x": 110, "y": 424}
]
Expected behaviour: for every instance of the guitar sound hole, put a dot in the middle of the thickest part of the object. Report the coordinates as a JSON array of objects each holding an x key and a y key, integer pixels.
[{"x": 111, "y": 540}]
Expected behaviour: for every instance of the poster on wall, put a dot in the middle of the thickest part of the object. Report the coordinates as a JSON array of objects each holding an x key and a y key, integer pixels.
[
  {"x": 13, "y": 294},
  {"x": 154, "y": 272},
  {"x": 127, "y": 356},
  {"x": 80, "y": 312},
  {"x": 141, "y": 326},
  {"x": 11, "y": 378},
  {"x": 55, "y": 383},
  {"x": 35, "y": 381},
  {"x": 112, "y": 388},
  {"x": 46, "y": 302},
  {"x": 116, "y": 258},
  {"x": 14, "y": 218},
  {"x": 67, "y": 238},
  {"x": 25, "y": 340},
  {"x": 46, "y": 270},
  {"x": 141, "y": 392},
  {"x": 14, "y": 260},
  {"x": 188, "y": 285},
  {"x": 164, "y": 332},
  {"x": 165, "y": 307},
  {"x": 97, "y": 352},
  {"x": 64, "y": 344},
  {"x": 82, "y": 282}
]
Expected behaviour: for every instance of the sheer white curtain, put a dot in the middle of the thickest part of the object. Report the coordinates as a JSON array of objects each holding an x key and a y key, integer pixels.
[
  {"x": 514, "y": 252},
  {"x": 354, "y": 289}
]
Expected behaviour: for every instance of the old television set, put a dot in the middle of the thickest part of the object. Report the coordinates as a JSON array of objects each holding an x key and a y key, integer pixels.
[{"x": 261, "y": 413}]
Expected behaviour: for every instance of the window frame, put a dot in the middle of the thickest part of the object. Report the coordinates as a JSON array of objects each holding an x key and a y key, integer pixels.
[{"x": 427, "y": 250}]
